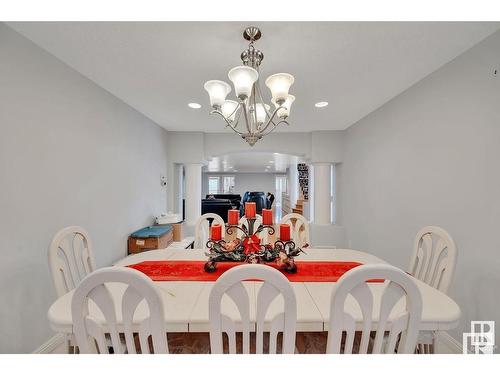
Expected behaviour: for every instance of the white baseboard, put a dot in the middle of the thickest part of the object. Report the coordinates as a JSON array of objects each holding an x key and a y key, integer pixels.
[
  {"x": 51, "y": 344},
  {"x": 446, "y": 344}
]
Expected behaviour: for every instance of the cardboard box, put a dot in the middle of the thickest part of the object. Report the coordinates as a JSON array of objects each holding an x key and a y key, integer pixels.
[
  {"x": 178, "y": 231},
  {"x": 150, "y": 238}
]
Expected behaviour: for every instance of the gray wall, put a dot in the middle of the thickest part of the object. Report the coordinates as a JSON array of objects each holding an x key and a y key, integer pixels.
[
  {"x": 431, "y": 157},
  {"x": 245, "y": 182},
  {"x": 70, "y": 154}
]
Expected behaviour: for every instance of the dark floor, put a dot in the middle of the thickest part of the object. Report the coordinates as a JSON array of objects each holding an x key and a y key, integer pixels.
[{"x": 199, "y": 343}]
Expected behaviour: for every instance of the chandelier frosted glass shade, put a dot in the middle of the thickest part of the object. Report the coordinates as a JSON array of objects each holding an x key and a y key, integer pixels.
[
  {"x": 261, "y": 112},
  {"x": 217, "y": 91},
  {"x": 229, "y": 109},
  {"x": 285, "y": 112},
  {"x": 248, "y": 115},
  {"x": 279, "y": 84},
  {"x": 243, "y": 78}
]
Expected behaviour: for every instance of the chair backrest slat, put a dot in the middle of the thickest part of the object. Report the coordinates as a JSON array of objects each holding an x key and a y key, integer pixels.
[
  {"x": 275, "y": 284},
  {"x": 202, "y": 229},
  {"x": 91, "y": 332},
  {"x": 263, "y": 235},
  {"x": 403, "y": 329},
  {"x": 434, "y": 257},
  {"x": 299, "y": 228},
  {"x": 70, "y": 258}
]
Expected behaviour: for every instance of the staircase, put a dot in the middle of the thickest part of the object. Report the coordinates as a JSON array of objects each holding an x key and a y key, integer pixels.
[
  {"x": 286, "y": 207},
  {"x": 299, "y": 207}
]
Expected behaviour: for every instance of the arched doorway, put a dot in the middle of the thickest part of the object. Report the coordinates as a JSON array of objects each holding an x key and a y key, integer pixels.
[{"x": 239, "y": 173}]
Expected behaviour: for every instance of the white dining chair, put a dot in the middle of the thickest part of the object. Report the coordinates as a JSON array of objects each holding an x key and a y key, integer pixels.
[
  {"x": 244, "y": 221},
  {"x": 434, "y": 257},
  {"x": 98, "y": 335},
  {"x": 258, "y": 221},
  {"x": 433, "y": 261},
  {"x": 352, "y": 287},
  {"x": 70, "y": 258},
  {"x": 299, "y": 228},
  {"x": 274, "y": 285},
  {"x": 202, "y": 229}
]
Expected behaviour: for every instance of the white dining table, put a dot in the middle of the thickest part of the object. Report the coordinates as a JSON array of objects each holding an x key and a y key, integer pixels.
[{"x": 186, "y": 302}]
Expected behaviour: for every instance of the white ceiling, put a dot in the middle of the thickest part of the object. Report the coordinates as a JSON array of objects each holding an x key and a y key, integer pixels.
[
  {"x": 159, "y": 67},
  {"x": 245, "y": 162}
]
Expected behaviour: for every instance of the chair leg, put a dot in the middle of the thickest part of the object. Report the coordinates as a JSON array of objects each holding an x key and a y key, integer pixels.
[
  {"x": 69, "y": 348},
  {"x": 429, "y": 348},
  {"x": 426, "y": 343},
  {"x": 422, "y": 349},
  {"x": 432, "y": 346}
]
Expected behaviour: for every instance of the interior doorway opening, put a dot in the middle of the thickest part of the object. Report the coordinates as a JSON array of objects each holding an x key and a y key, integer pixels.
[
  {"x": 241, "y": 175},
  {"x": 281, "y": 186}
]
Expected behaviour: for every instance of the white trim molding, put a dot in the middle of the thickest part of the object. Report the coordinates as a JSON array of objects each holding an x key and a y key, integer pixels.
[{"x": 51, "y": 344}]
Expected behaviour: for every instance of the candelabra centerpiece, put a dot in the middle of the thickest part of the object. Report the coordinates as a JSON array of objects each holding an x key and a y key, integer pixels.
[{"x": 248, "y": 248}]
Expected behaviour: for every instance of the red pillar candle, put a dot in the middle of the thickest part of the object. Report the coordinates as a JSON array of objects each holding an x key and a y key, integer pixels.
[
  {"x": 233, "y": 216},
  {"x": 216, "y": 232},
  {"x": 285, "y": 232},
  {"x": 267, "y": 217},
  {"x": 250, "y": 210}
]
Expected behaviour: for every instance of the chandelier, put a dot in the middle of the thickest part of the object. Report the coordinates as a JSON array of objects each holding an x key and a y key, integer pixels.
[{"x": 249, "y": 116}]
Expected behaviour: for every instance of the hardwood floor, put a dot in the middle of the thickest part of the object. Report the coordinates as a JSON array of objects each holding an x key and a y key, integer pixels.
[
  {"x": 305, "y": 343},
  {"x": 199, "y": 343},
  {"x": 188, "y": 343}
]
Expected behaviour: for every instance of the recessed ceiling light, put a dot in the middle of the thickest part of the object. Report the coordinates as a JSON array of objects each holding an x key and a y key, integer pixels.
[
  {"x": 194, "y": 105},
  {"x": 321, "y": 104}
]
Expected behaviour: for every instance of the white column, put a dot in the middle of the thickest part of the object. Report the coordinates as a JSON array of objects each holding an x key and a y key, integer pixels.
[
  {"x": 293, "y": 184},
  {"x": 192, "y": 193},
  {"x": 177, "y": 187},
  {"x": 322, "y": 190}
]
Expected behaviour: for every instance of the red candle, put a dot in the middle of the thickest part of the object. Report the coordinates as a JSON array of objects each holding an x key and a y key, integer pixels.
[
  {"x": 267, "y": 217},
  {"x": 233, "y": 216},
  {"x": 216, "y": 232},
  {"x": 250, "y": 210},
  {"x": 285, "y": 232}
]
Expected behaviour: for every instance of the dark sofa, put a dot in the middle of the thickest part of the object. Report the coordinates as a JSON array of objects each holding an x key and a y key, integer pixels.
[
  {"x": 220, "y": 203},
  {"x": 216, "y": 206},
  {"x": 259, "y": 197},
  {"x": 234, "y": 198}
]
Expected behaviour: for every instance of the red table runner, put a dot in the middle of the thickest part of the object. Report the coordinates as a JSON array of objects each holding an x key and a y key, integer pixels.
[{"x": 192, "y": 270}]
